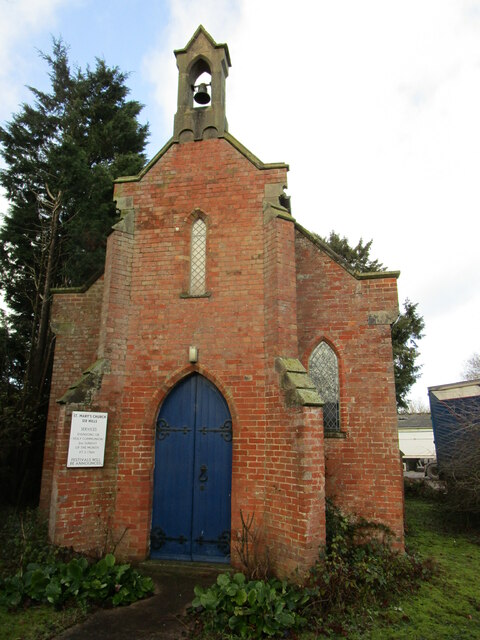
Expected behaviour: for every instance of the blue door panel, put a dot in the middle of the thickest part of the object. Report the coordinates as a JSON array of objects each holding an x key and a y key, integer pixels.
[
  {"x": 171, "y": 520},
  {"x": 212, "y": 481},
  {"x": 192, "y": 479}
]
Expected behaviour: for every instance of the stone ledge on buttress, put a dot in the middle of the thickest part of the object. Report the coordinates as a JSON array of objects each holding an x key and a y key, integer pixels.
[
  {"x": 82, "y": 390},
  {"x": 297, "y": 384}
]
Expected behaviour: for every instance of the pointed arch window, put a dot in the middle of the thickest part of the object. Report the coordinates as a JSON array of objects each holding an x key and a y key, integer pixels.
[
  {"x": 323, "y": 370},
  {"x": 198, "y": 258}
]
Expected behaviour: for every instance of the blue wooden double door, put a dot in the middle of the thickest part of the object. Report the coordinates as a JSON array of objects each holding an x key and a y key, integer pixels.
[{"x": 193, "y": 471}]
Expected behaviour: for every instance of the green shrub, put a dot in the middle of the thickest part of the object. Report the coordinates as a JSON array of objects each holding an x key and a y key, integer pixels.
[
  {"x": 357, "y": 575},
  {"x": 32, "y": 570},
  {"x": 249, "y": 609},
  {"x": 104, "y": 582},
  {"x": 23, "y": 540},
  {"x": 424, "y": 488},
  {"x": 358, "y": 572}
]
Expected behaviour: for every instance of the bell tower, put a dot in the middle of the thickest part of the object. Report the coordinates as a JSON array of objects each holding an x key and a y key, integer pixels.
[{"x": 203, "y": 68}]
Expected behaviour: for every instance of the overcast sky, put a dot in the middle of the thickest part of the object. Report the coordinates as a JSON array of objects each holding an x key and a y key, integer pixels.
[{"x": 375, "y": 105}]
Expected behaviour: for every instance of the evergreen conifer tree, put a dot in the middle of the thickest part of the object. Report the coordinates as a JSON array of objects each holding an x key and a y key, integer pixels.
[{"x": 61, "y": 155}]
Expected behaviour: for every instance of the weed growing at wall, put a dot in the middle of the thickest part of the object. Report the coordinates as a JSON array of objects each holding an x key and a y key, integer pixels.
[{"x": 251, "y": 551}]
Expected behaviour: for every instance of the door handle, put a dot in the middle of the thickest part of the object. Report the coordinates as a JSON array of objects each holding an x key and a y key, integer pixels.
[{"x": 203, "y": 477}]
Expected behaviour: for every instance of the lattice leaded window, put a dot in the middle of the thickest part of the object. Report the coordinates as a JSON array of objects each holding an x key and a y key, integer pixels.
[
  {"x": 323, "y": 370},
  {"x": 198, "y": 258}
]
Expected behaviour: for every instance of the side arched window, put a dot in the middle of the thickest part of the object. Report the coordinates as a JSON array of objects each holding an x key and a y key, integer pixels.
[
  {"x": 198, "y": 258},
  {"x": 323, "y": 370}
]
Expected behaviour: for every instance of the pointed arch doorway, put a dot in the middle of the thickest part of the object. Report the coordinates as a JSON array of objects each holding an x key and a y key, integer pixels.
[{"x": 193, "y": 470}]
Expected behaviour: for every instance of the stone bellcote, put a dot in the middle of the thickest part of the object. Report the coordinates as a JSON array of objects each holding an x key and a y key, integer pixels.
[{"x": 202, "y": 55}]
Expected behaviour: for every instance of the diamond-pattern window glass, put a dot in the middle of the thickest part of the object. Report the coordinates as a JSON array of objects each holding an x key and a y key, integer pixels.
[
  {"x": 323, "y": 370},
  {"x": 198, "y": 258}
]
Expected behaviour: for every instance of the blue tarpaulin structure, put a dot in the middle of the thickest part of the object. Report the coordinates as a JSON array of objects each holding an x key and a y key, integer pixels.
[{"x": 455, "y": 411}]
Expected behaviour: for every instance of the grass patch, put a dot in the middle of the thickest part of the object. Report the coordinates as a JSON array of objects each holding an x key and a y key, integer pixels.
[
  {"x": 37, "y": 623},
  {"x": 364, "y": 592},
  {"x": 448, "y": 605}
]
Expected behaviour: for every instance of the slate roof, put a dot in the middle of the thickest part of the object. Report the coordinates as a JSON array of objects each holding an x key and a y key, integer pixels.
[{"x": 414, "y": 421}]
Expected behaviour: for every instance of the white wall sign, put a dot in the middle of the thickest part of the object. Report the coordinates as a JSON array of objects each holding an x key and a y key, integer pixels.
[{"x": 87, "y": 439}]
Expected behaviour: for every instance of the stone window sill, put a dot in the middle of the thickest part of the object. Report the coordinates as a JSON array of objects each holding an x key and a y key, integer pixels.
[
  {"x": 336, "y": 435},
  {"x": 202, "y": 295}
]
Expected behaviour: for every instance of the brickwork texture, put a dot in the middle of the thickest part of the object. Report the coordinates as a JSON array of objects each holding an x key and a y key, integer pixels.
[{"x": 271, "y": 291}]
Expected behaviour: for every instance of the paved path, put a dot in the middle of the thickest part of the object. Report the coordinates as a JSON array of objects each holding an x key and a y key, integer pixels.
[{"x": 156, "y": 618}]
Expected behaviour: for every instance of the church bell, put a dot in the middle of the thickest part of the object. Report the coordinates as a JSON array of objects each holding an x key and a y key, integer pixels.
[{"x": 202, "y": 96}]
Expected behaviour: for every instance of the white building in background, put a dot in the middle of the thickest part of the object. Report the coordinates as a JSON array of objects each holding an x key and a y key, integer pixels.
[{"x": 415, "y": 438}]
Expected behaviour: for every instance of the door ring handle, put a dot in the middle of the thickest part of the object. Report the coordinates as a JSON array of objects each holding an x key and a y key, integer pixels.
[{"x": 203, "y": 477}]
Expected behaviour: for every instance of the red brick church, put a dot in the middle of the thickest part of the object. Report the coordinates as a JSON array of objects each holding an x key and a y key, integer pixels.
[{"x": 236, "y": 366}]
